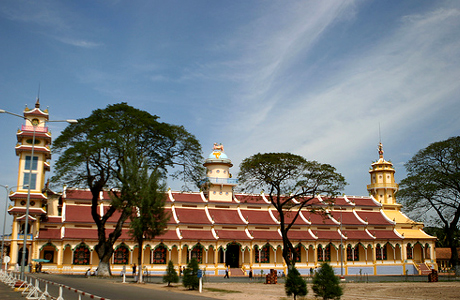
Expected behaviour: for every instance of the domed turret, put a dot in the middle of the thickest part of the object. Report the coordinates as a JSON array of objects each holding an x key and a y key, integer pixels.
[
  {"x": 219, "y": 182},
  {"x": 383, "y": 186}
]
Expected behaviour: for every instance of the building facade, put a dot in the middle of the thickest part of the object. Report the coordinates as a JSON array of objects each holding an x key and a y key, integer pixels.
[{"x": 218, "y": 227}]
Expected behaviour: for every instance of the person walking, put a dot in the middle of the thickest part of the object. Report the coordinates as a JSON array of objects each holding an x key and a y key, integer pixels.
[{"x": 226, "y": 272}]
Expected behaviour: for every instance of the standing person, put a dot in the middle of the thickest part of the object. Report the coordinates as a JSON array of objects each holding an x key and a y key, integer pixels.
[
  {"x": 250, "y": 273},
  {"x": 134, "y": 269},
  {"x": 180, "y": 271},
  {"x": 226, "y": 272}
]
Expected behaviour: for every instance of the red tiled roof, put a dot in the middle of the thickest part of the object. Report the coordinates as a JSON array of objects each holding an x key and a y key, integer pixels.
[
  {"x": 53, "y": 220},
  {"x": 225, "y": 216},
  {"x": 192, "y": 216},
  {"x": 168, "y": 235},
  {"x": 19, "y": 195},
  {"x": 363, "y": 201},
  {"x": 197, "y": 235},
  {"x": 289, "y": 216},
  {"x": 245, "y": 198},
  {"x": 340, "y": 201},
  {"x": 318, "y": 219},
  {"x": 257, "y": 217},
  {"x": 49, "y": 233},
  {"x": 373, "y": 217},
  {"x": 22, "y": 210},
  {"x": 77, "y": 233},
  {"x": 357, "y": 235},
  {"x": 78, "y": 214},
  {"x": 385, "y": 235},
  {"x": 347, "y": 217},
  {"x": 74, "y": 194},
  {"x": 187, "y": 197},
  {"x": 445, "y": 253},
  {"x": 236, "y": 235},
  {"x": 265, "y": 235},
  {"x": 91, "y": 233},
  {"x": 327, "y": 234},
  {"x": 300, "y": 235}
]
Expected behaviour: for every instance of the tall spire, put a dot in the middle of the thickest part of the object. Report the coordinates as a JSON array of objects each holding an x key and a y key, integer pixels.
[
  {"x": 380, "y": 150},
  {"x": 37, "y": 104}
]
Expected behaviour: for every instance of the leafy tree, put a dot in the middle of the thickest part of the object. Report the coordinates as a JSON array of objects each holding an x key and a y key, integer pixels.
[
  {"x": 190, "y": 279},
  {"x": 171, "y": 274},
  {"x": 285, "y": 177},
  {"x": 295, "y": 285},
  {"x": 326, "y": 284},
  {"x": 432, "y": 187},
  {"x": 440, "y": 234},
  {"x": 147, "y": 194},
  {"x": 91, "y": 155}
]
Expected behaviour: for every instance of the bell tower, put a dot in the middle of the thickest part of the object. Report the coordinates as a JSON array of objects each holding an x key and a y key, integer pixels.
[
  {"x": 33, "y": 150},
  {"x": 219, "y": 182},
  {"x": 383, "y": 186}
]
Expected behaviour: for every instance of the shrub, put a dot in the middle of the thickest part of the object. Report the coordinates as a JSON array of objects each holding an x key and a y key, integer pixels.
[
  {"x": 190, "y": 279},
  {"x": 326, "y": 284},
  {"x": 171, "y": 274},
  {"x": 295, "y": 284}
]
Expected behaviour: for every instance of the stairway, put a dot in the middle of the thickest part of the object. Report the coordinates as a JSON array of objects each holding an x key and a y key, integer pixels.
[
  {"x": 423, "y": 269},
  {"x": 236, "y": 272}
]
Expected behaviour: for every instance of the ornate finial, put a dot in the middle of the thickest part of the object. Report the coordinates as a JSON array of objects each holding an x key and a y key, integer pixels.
[
  {"x": 219, "y": 147},
  {"x": 37, "y": 104},
  {"x": 380, "y": 150}
]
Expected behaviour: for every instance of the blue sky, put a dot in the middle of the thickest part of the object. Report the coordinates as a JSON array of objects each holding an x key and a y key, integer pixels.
[{"x": 315, "y": 78}]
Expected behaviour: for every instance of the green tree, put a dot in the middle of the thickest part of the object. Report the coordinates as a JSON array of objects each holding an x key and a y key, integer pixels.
[
  {"x": 284, "y": 177},
  {"x": 148, "y": 196},
  {"x": 171, "y": 274},
  {"x": 325, "y": 284},
  {"x": 190, "y": 279},
  {"x": 295, "y": 285},
  {"x": 91, "y": 155},
  {"x": 432, "y": 188}
]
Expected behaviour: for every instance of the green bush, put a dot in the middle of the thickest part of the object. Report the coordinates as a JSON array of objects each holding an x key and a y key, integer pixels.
[
  {"x": 190, "y": 279},
  {"x": 171, "y": 274},
  {"x": 295, "y": 285},
  {"x": 326, "y": 284}
]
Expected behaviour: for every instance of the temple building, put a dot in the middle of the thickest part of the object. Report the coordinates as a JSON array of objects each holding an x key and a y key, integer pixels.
[{"x": 218, "y": 226}]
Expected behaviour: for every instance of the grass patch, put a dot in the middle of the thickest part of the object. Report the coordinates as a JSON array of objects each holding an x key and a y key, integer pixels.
[{"x": 221, "y": 291}]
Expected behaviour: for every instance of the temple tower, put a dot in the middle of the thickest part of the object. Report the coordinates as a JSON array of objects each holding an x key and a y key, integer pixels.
[
  {"x": 33, "y": 150},
  {"x": 383, "y": 186},
  {"x": 219, "y": 182}
]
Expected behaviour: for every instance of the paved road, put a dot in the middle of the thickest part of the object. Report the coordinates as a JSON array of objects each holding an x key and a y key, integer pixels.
[{"x": 111, "y": 289}]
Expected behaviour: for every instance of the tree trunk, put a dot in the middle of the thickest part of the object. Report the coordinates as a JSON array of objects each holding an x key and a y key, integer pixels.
[
  {"x": 140, "y": 257},
  {"x": 451, "y": 241},
  {"x": 104, "y": 251}
]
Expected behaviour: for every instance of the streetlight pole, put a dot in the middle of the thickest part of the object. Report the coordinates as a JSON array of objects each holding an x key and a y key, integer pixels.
[
  {"x": 8, "y": 190},
  {"x": 26, "y": 224},
  {"x": 4, "y": 220}
]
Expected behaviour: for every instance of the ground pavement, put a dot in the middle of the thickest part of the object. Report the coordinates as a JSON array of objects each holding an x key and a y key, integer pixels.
[{"x": 97, "y": 288}]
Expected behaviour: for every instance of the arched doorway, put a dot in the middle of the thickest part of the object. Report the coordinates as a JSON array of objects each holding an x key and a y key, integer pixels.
[
  {"x": 26, "y": 257},
  {"x": 232, "y": 255}
]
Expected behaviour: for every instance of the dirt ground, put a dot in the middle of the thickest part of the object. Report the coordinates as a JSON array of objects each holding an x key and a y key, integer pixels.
[{"x": 352, "y": 291}]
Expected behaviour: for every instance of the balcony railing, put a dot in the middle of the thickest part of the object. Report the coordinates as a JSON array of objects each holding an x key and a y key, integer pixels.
[
  {"x": 383, "y": 185},
  {"x": 31, "y": 128},
  {"x": 223, "y": 180}
]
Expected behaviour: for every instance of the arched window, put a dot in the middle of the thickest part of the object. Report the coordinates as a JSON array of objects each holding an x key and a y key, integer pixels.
[
  {"x": 81, "y": 254},
  {"x": 324, "y": 253},
  {"x": 159, "y": 254},
  {"x": 197, "y": 253},
  {"x": 409, "y": 251},
  {"x": 121, "y": 255},
  {"x": 263, "y": 255},
  {"x": 381, "y": 252},
  {"x": 352, "y": 253}
]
